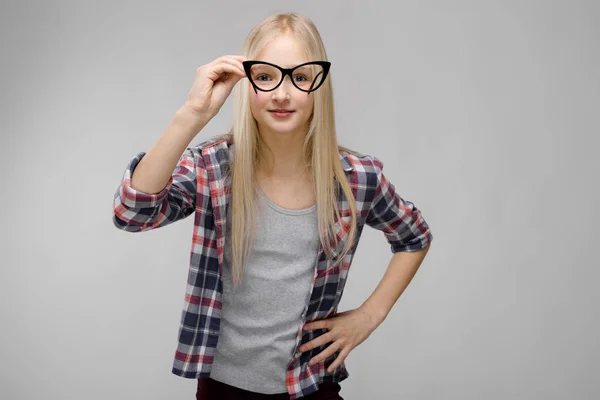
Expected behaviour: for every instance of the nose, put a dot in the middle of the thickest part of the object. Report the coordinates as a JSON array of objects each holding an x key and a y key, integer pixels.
[{"x": 283, "y": 91}]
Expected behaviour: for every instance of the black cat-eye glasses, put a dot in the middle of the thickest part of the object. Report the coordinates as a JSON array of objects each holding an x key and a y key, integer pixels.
[{"x": 266, "y": 77}]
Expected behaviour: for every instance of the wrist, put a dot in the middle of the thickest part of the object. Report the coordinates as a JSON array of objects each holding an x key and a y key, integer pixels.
[
  {"x": 188, "y": 117},
  {"x": 375, "y": 313}
]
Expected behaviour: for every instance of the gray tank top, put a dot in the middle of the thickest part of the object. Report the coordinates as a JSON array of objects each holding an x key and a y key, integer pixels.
[{"x": 261, "y": 317}]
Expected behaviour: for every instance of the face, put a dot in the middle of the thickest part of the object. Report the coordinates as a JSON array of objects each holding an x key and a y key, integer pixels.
[{"x": 287, "y": 52}]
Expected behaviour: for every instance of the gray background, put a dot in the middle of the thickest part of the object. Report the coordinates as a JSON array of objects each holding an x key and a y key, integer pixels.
[{"x": 484, "y": 113}]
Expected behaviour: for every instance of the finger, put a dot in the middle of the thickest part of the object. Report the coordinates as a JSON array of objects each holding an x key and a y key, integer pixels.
[
  {"x": 320, "y": 324},
  {"x": 238, "y": 65},
  {"x": 234, "y": 60},
  {"x": 231, "y": 80},
  {"x": 338, "y": 361},
  {"x": 319, "y": 341},
  {"x": 222, "y": 69},
  {"x": 332, "y": 348},
  {"x": 223, "y": 63}
]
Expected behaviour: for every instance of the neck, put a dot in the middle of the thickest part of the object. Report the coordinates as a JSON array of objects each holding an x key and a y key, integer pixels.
[{"x": 284, "y": 157}]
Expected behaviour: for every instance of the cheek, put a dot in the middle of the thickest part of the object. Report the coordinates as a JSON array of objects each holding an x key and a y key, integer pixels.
[
  {"x": 306, "y": 103},
  {"x": 259, "y": 100}
]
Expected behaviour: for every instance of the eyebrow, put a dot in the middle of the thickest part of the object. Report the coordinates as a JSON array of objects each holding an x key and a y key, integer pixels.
[{"x": 287, "y": 65}]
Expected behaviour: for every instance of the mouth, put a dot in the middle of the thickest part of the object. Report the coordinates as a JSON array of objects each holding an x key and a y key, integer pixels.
[{"x": 281, "y": 113}]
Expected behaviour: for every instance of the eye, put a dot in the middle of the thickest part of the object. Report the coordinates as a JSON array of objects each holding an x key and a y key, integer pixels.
[
  {"x": 302, "y": 78},
  {"x": 259, "y": 77}
]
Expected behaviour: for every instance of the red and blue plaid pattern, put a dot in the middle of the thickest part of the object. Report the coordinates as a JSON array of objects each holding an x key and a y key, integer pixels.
[{"x": 198, "y": 186}]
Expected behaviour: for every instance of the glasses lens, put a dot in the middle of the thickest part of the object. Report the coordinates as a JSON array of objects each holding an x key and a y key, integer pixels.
[
  {"x": 266, "y": 77},
  {"x": 308, "y": 76}
]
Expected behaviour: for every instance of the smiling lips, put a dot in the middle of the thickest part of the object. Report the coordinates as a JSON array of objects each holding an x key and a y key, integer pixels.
[{"x": 281, "y": 113}]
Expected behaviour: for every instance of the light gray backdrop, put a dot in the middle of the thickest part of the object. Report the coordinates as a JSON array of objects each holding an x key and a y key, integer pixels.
[{"x": 485, "y": 114}]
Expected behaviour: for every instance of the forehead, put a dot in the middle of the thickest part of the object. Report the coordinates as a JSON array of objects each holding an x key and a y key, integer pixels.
[{"x": 284, "y": 50}]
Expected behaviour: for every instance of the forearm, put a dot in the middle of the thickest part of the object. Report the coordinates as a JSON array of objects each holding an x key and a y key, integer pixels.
[
  {"x": 400, "y": 271},
  {"x": 156, "y": 167}
]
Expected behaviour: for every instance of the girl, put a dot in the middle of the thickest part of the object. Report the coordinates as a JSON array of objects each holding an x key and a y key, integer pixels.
[{"x": 279, "y": 208}]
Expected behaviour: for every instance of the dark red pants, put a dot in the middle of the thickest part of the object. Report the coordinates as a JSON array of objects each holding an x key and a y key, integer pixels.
[{"x": 210, "y": 389}]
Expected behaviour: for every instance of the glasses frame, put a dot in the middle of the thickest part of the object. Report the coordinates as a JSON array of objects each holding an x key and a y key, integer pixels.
[{"x": 285, "y": 71}]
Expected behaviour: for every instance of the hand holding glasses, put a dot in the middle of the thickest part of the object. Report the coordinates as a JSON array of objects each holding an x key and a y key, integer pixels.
[
  {"x": 267, "y": 77},
  {"x": 215, "y": 81}
]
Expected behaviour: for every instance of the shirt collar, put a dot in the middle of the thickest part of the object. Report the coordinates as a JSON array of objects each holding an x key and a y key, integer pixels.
[{"x": 344, "y": 159}]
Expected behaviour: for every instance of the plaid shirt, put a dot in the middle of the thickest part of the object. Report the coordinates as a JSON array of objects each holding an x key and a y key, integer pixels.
[{"x": 198, "y": 184}]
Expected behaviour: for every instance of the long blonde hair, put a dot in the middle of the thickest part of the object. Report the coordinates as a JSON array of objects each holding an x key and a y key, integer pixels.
[{"x": 320, "y": 147}]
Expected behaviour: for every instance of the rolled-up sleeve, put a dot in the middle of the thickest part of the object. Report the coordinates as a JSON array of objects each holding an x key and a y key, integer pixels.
[
  {"x": 137, "y": 211},
  {"x": 400, "y": 220}
]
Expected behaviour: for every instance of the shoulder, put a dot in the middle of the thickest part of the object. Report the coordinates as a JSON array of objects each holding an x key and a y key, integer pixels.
[
  {"x": 360, "y": 163},
  {"x": 224, "y": 139},
  {"x": 362, "y": 169},
  {"x": 215, "y": 149}
]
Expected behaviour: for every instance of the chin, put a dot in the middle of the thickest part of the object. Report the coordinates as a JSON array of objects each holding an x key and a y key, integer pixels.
[
  {"x": 282, "y": 126},
  {"x": 283, "y": 129}
]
